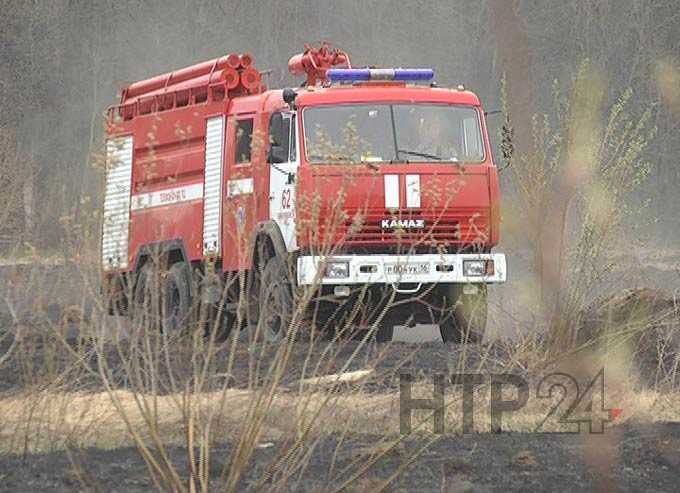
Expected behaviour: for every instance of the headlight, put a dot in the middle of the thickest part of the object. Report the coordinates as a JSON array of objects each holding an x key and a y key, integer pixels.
[
  {"x": 337, "y": 270},
  {"x": 475, "y": 268}
]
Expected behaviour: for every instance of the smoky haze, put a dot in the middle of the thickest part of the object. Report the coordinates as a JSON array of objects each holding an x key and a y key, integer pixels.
[{"x": 64, "y": 61}]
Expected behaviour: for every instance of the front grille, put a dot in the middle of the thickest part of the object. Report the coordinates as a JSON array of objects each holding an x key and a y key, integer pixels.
[{"x": 453, "y": 228}]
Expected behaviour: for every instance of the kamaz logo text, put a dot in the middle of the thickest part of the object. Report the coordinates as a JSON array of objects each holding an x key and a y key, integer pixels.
[{"x": 402, "y": 223}]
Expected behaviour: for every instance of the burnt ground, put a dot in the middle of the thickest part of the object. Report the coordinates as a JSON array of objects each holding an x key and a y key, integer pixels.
[
  {"x": 637, "y": 455},
  {"x": 649, "y": 458},
  {"x": 632, "y": 456}
]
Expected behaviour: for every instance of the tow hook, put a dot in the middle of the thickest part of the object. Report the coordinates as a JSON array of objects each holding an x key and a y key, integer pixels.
[{"x": 406, "y": 290}]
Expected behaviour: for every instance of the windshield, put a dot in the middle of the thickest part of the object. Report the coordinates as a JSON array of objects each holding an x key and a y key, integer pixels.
[{"x": 392, "y": 133}]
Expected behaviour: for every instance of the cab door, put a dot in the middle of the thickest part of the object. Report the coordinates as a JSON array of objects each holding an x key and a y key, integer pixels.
[
  {"x": 283, "y": 160},
  {"x": 239, "y": 213}
]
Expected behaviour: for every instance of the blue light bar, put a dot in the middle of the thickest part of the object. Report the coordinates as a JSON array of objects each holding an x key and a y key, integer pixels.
[
  {"x": 366, "y": 74},
  {"x": 413, "y": 74},
  {"x": 348, "y": 74}
]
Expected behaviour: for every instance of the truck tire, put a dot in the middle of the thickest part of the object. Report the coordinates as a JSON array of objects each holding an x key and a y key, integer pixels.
[
  {"x": 275, "y": 300},
  {"x": 228, "y": 320},
  {"x": 145, "y": 297},
  {"x": 463, "y": 318},
  {"x": 162, "y": 302},
  {"x": 221, "y": 321},
  {"x": 176, "y": 297},
  {"x": 254, "y": 282},
  {"x": 116, "y": 295}
]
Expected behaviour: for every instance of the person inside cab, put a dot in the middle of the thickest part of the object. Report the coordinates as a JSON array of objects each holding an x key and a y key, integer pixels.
[{"x": 433, "y": 138}]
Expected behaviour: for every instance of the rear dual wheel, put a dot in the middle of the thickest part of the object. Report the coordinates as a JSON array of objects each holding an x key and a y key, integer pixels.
[
  {"x": 217, "y": 311},
  {"x": 162, "y": 298}
]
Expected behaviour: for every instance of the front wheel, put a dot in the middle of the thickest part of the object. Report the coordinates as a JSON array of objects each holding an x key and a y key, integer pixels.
[
  {"x": 275, "y": 300},
  {"x": 464, "y": 312}
]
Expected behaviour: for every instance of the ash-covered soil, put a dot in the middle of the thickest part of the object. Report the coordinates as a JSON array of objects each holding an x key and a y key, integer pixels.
[
  {"x": 647, "y": 458},
  {"x": 636, "y": 455},
  {"x": 632, "y": 456}
]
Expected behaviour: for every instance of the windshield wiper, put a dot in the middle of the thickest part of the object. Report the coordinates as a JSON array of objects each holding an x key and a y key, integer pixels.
[{"x": 420, "y": 154}]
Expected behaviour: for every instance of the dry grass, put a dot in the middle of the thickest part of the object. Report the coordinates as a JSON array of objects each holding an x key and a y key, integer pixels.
[
  {"x": 156, "y": 393},
  {"x": 51, "y": 420}
]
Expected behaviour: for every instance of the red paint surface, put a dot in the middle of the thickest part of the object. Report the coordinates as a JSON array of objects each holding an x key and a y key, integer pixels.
[{"x": 169, "y": 150}]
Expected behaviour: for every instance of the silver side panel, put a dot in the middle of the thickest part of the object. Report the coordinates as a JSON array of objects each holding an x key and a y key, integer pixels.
[
  {"x": 212, "y": 186},
  {"x": 117, "y": 203}
]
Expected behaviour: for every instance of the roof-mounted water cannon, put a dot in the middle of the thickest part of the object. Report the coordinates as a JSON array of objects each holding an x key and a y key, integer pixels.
[{"x": 315, "y": 62}]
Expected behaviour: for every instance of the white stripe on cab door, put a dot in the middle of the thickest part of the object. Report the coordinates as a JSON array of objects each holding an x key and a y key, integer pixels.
[
  {"x": 391, "y": 191},
  {"x": 413, "y": 191}
]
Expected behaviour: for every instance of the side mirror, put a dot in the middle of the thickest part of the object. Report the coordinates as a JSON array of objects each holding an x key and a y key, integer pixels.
[
  {"x": 289, "y": 96},
  {"x": 507, "y": 143},
  {"x": 277, "y": 154}
]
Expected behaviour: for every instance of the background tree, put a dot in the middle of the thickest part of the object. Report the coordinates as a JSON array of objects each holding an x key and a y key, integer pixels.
[{"x": 63, "y": 62}]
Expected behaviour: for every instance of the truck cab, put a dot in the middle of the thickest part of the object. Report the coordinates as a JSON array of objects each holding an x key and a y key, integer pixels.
[{"x": 397, "y": 190}]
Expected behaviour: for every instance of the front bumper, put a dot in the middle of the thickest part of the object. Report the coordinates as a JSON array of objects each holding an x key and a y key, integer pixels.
[{"x": 396, "y": 269}]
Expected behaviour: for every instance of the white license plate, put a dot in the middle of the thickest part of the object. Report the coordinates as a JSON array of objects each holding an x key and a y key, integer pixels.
[{"x": 413, "y": 268}]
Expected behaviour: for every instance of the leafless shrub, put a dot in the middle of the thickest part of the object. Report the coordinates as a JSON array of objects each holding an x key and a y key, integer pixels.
[
  {"x": 572, "y": 191},
  {"x": 17, "y": 174}
]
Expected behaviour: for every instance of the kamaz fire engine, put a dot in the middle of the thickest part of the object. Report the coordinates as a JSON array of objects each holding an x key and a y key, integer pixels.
[{"x": 360, "y": 180}]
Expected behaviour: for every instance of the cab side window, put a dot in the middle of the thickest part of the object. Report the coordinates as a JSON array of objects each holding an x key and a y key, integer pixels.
[
  {"x": 279, "y": 130},
  {"x": 281, "y": 138},
  {"x": 472, "y": 140},
  {"x": 293, "y": 147},
  {"x": 244, "y": 139}
]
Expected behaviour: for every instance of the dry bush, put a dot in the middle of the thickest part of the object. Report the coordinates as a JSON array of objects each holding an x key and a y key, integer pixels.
[
  {"x": 640, "y": 327},
  {"x": 42, "y": 366},
  {"x": 572, "y": 197},
  {"x": 17, "y": 173}
]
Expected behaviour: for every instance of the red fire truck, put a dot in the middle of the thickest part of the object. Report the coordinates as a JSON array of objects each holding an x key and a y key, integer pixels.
[{"x": 359, "y": 181}]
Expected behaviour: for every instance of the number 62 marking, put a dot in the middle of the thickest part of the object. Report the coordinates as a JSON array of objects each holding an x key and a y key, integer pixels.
[{"x": 285, "y": 199}]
